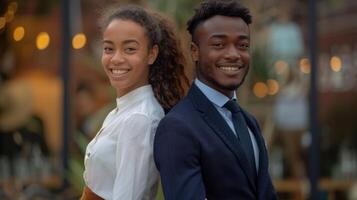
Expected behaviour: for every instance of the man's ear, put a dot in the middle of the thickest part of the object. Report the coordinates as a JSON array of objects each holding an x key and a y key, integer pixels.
[
  {"x": 154, "y": 51},
  {"x": 194, "y": 52}
]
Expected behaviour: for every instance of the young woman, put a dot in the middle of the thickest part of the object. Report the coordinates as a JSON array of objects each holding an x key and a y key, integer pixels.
[{"x": 144, "y": 63}]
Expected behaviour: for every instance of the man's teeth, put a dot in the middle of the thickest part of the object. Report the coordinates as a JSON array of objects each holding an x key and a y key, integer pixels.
[
  {"x": 119, "y": 71},
  {"x": 230, "y": 68}
]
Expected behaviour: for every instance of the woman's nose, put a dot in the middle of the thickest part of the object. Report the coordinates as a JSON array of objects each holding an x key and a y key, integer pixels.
[{"x": 118, "y": 58}]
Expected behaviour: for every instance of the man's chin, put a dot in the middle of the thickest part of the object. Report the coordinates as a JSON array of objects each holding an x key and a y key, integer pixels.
[{"x": 233, "y": 86}]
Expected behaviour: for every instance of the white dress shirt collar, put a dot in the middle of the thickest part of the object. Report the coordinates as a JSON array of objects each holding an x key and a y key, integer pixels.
[
  {"x": 213, "y": 95},
  {"x": 136, "y": 95}
]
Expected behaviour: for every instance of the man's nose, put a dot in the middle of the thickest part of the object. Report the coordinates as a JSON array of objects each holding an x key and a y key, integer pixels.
[{"x": 232, "y": 53}]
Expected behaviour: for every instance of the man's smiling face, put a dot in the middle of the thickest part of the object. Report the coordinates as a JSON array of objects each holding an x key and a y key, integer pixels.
[{"x": 221, "y": 50}]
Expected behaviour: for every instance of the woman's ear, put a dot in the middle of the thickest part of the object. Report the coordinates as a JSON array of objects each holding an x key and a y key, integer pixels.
[
  {"x": 194, "y": 52},
  {"x": 154, "y": 51}
]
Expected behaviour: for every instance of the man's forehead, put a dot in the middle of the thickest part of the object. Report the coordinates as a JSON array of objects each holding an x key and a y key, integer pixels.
[{"x": 221, "y": 24}]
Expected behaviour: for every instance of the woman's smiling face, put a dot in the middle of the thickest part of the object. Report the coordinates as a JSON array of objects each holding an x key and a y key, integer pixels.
[{"x": 126, "y": 55}]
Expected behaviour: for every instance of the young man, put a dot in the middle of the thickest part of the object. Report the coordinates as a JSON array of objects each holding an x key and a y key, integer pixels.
[{"x": 207, "y": 146}]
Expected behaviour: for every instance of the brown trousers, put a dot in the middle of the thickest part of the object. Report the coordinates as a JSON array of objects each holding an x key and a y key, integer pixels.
[{"x": 88, "y": 194}]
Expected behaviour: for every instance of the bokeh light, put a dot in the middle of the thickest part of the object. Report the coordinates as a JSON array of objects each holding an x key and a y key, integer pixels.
[
  {"x": 273, "y": 87},
  {"x": 79, "y": 40},
  {"x": 19, "y": 33},
  {"x": 42, "y": 41},
  {"x": 12, "y": 7},
  {"x": 281, "y": 66},
  {"x": 336, "y": 63},
  {"x": 305, "y": 66},
  {"x": 260, "y": 89}
]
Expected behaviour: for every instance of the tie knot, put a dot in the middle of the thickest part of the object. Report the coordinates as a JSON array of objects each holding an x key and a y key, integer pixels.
[{"x": 232, "y": 106}]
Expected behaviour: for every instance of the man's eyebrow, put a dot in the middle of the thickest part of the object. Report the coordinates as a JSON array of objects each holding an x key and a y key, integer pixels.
[
  {"x": 221, "y": 35},
  {"x": 218, "y": 35},
  {"x": 244, "y": 37}
]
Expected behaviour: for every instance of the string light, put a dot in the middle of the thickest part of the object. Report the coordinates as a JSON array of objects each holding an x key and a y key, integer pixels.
[
  {"x": 273, "y": 86},
  {"x": 42, "y": 40},
  {"x": 260, "y": 89},
  {"x": 281, "y": 66},
  {"x": 19, "y": 33},
  {"x": 305, "y": 66},
  {"x": 9, "y": 15},
  {"x": 12, "y": 7},
  {"x": 79, "y": 40},
  {"x": 336, "y": 63}
]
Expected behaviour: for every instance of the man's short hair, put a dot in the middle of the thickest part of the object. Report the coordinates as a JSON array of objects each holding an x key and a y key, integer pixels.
[{"x": 210, "y": 8}]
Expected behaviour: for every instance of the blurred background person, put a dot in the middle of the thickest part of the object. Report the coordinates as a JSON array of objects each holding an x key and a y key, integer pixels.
[{"x": 285, "y": 47}]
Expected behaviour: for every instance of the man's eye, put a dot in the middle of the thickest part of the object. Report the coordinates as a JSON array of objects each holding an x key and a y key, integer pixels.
[
  {"x": 217, "y": 45},
  {"x": 244, "y": 46}
]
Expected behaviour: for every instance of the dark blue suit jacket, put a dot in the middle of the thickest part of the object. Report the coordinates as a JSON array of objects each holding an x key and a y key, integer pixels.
[{"x": 198, "y": 156}]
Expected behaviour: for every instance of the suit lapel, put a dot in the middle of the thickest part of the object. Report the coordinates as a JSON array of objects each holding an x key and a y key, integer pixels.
[
  {"x": 263, "y": 155},
  {"x": 214, "y": 119}
]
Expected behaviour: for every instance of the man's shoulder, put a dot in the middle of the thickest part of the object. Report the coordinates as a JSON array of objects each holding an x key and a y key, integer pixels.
[
  {"x": 181, "y": 112},
  {"x": 182, "y": 106}
]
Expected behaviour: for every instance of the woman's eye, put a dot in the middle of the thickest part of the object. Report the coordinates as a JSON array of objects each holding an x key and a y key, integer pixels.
[
  {"x": 107, "y": 49},
  {"x": 130, "y": 50}
]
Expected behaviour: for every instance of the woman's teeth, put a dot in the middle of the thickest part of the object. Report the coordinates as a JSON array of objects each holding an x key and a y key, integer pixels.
[{"x": 119, "y": 71}]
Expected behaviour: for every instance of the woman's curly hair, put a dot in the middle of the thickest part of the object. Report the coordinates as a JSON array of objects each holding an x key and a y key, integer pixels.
[{"x": 166, "y": 74}]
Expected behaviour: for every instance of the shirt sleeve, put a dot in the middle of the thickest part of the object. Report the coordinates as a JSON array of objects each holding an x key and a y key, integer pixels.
[{"x": 134, "y": 158}]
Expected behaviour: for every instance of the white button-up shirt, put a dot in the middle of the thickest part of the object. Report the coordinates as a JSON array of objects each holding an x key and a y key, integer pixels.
[{"x": 119, "y": 161}]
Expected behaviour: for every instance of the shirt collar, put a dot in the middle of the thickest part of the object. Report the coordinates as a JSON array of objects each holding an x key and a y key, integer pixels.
[
  {"x": 213, "y": 95},
  {"x": 134, "y": 96}
]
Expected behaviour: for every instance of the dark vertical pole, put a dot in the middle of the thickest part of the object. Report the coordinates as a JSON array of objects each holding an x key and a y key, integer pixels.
[
  {"x": 65, "y": 63},
  {"x": 314, "y": 163}
]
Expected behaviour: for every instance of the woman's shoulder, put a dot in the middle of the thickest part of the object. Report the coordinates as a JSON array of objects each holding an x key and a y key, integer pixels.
[{"x": 148, "y": 108}]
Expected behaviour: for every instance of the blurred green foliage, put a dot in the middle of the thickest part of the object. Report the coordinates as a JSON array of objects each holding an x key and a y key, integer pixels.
[
  {"x": 76, "y": 166},
  {"x": 180, "y": 11}
]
